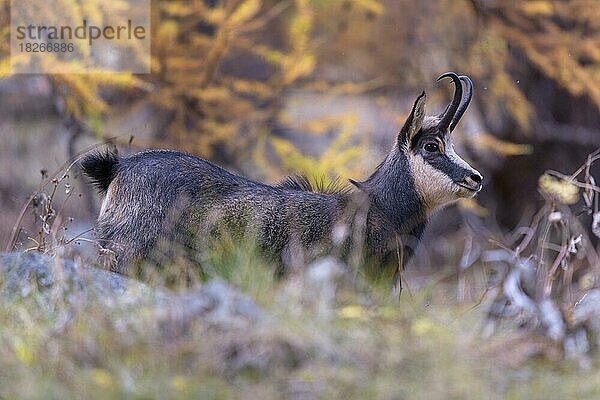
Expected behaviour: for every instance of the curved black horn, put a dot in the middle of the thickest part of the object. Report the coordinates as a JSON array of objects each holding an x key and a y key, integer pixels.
[
  {"x": 464, "y": 103},
  {"x": 448, "y": 114}
]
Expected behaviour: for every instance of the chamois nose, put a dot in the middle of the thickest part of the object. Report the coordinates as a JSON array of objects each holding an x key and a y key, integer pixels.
[
  {"x": 472, "y": 181},
  {"x": 476, "y": 177}
]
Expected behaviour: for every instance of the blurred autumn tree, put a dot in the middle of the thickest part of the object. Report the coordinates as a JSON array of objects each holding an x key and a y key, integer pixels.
[
  {"x": 222, "y": 70},
  {"x": 218, "y": 73},
  {"x": 509, "y": 48},
  {"x": 219, "y": 70},
  {"x": 557, "y": 41},
  {"x": 544, "y": 71}
]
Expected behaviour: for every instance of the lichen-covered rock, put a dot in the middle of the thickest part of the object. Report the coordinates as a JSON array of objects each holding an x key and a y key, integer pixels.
[
  {"x": 24, "y": 274},
  {"x": 233, "y": 327}
]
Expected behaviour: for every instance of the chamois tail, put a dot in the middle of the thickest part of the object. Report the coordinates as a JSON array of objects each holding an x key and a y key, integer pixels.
[{"x": 101, "y": 168}]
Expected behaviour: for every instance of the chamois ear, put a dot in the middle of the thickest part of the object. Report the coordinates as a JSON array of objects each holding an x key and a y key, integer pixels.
[{"x": 414, "y": 121}]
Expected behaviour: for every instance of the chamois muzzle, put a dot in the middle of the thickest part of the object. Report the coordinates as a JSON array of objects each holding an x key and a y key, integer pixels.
[{"x": 472, "y": 181}]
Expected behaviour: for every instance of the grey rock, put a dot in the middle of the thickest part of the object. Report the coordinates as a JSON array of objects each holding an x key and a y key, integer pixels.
[
  {"x": 22, "y": 274},
  {"x": 241, "y": 333}
]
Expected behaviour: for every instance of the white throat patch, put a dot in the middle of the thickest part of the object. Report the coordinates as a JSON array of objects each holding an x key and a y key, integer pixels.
[{"x": 435, "y": 188}]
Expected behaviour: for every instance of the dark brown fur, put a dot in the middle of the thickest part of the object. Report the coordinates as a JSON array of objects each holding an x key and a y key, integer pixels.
[{"x": 161, "y": 196}]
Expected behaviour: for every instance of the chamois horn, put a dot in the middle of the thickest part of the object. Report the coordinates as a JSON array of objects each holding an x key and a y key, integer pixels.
[
  {"x": 450, "y": 111},
  {"x": 464, "y": 102}
]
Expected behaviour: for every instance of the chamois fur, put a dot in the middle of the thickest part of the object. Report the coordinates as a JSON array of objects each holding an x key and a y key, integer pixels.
[
  {"x": 164, "y": 196},
  {"x": 302, "y": 183},
  {"x": 101, "y": 167}
]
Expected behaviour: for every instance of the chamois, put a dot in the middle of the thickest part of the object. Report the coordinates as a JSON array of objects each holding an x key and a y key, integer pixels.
[{"x": 164, "y": 196}]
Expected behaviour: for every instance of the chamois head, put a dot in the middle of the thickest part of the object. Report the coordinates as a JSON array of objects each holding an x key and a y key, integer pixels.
[
  {"x": 424, "y": 153},
  {"x": 439, "y": 174}
]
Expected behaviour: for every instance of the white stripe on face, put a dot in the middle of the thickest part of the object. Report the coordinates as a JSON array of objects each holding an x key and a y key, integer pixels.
[{"x": 435, "y": 188}]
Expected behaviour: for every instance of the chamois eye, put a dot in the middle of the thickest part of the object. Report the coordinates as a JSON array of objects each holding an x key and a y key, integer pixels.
[{"x": 432, "y": 147}]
